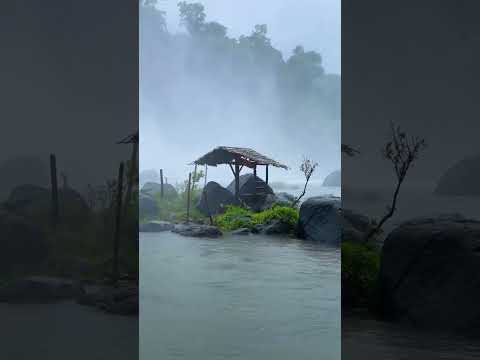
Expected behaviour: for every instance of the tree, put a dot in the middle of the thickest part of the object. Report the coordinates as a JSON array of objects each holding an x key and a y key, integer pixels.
[
  {"x": 192, "y": 16},
  {"x": 307, "y": 167},
  {"x": 401, "y": 151}
]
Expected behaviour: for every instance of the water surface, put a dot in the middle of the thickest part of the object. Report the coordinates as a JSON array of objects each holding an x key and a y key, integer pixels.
[{"x": 250, "y": 298}]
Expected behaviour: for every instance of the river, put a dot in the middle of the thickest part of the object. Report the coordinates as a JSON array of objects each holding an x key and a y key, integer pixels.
[{"x": 250, "y": 297}]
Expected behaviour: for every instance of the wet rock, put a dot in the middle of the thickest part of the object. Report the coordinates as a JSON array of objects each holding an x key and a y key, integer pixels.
[
  {"x": 253, "y": 191},
  {"x": 462, "y": 179},
  {"x": 277, "y": 227},
  {"x": 197, "y": 230},
  {"x": 154, "y": 189},
  {"x": 38, "y": 290},
  {"x": 214, "y": 199},
  {"x": 319, "y": 220},
  {"x": 284, "y": 199},
  {"x": 122, "y": 300},
  {"x": 23, "y": 245},
  {"x": 333, "y": 179},
  {"x": 241, "y": 231},
  {"x": 429, "y": 273},
  {"x": 156, "y": 226},
  {"x": 147, "y": 206},
  {"x": 355, "y": 226}
]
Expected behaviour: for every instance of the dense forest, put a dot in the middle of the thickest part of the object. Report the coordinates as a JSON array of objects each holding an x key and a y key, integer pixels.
[{"x": 243, "y": 89}]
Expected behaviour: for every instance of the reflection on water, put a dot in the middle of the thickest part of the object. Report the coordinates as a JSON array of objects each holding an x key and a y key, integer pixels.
[
  {"x": 238, "y": 298},
  {"x": 365, "y": 338}
]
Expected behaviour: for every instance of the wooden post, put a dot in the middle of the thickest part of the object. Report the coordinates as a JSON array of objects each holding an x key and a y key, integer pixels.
[
  {"x": 194, "y": 177},
  {"x": 266, "y": 174},
  {"x": 206, "y": 169},
  {"x": 161, "y": 183},
  {"x": 53, "y": 180},
  {"x": 237, "y": 182},
  {"x": 116, "y": 240},
  {"x": 255, "y": 171},
  {"x": 188, "y": 196}
]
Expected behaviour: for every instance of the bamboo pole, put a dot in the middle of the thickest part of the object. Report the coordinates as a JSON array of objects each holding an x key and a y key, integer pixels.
[
  {"x": 116, "y": 239},
  {"x": 54, "y": 184},
  {"x": 161, "y": 183},
  {"x": 188, "y": 196}
]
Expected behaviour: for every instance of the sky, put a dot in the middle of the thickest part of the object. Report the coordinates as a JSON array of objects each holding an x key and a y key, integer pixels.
[{"x": 313, "y": 23}]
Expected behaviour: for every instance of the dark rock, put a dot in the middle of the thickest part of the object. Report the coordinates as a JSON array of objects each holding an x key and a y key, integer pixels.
[
  {"x": 253, "y": 191},
  {"x": 154, "y": 189},
  {"x": 355, "y": 226},
  {"x": 429, "y": 273},
  {"x": 284, "y": 199},
  {"x": 35, "y": 203},
  {"x": 122, "y": 300},
  {"x": 333, "y": 179},
  {"x": 156, "y": 226},
  {"x": 214, "y": 199},
  {"x": 259, "y": 228},
  {"x": 197, "y": 230},
  {"x": 24, "y": 245},
  {"x": 462, "y": 179},
  {"x": 241, "y": 231},
  {"x": 277, "y": 227},
  {"x": 320, "y": 220},
  {"x": 147, "y": 206},
  {"x": 38, "y": 290}
]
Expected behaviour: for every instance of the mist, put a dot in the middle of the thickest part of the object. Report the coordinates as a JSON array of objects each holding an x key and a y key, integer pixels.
[{"x": 203, "y": 86}]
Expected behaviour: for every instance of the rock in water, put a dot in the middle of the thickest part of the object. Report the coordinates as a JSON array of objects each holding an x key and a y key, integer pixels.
[
  {"x": 253, "y": 191},
  {"x": 333, "y": 179},
  {"x": 197, "y": 230},
  {"x": 320, "y": 220},
  {"x": 156, "y": 226},
  {"x": 462, "y": 179},
  {"x": 214, "y": 199},
  {"x": 429, "y": 273},
  {"x": 23, "y": 244},
  {"x": 38, "y": 290},
  {"x": 154, "y": 189},
  {"x": 147, "y": 206}
]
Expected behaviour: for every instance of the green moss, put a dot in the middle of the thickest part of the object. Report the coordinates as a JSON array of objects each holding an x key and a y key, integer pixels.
[
  {"x": 360, "y": 269},
  {"x": 285, "y": 214}
]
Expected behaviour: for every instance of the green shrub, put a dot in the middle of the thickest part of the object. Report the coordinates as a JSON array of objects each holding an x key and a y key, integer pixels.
[
  {"x": 360, "y": 269},
  {"x": 285, "y": 214},
  {"x": 236, "y": 217}
]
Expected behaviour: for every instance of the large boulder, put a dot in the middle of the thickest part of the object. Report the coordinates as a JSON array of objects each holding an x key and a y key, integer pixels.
[
  {"x": 154, "y": 189},
  {"x": 23, "y": 245},
  {"x": 35, "y": 203},
  {"x": 253, "y": 191},
  {"x": 462, "y": 179},
  {"x": 197, "y": 230},
  {"x": 333, "y": 179},
  {"x": 147, "y": 206},
  {"x": 429, "y": 273},
  {"x": 319, "y": 220},
  {"x": 355, "y": 226},
  {"x": 156, "y": 226},
  {"x": 214, "y": 199}
]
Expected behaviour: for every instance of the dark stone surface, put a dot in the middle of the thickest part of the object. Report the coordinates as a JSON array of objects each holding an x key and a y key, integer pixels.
[
  {"x": 320, "y": 220},
  {"x": 462, "y": 179},
  {"x": 156, "y": 226},
  {"x": 35, "y": 290},
  {"x": 197, "y": 230},
  {"x": 429, "y": 273},
  {"x": 253, "y": 191},
  {"x": 333, "y": 179},
  {"x": 241, "y": 231},
  {"x": 121, "y": 300},
  {"x": 277, "y": 227},
  {"x": 355, "y": 226},
  {"x": 214, "y": 199},
  {"x": 147, "y": 206},
  {"x": 153, "y": 189},
  {"x": 23, "y": 244}
]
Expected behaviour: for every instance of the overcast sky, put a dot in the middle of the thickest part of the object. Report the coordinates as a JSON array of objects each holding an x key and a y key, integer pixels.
[{"x": 315, "y": 24}]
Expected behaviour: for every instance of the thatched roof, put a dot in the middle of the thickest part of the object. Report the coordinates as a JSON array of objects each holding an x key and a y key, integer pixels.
[
  {"x": 237, "y": 155},
  {"x": 130, "y": 139}
]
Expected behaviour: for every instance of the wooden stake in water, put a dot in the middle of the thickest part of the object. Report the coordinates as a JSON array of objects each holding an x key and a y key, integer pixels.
[
  {"x": 53, "y": 180},
  {"x": 188, "y": 196},
  {"x": 161, "y": 183},
  {"x": 116, "y": 239}
]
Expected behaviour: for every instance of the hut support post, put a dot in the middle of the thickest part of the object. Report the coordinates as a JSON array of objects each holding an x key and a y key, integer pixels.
[
  {"x": 188, "y": 196},
  {"x": 266, "y": 174},
  {"x": 116, "y": 239},
  {"x": 161, "y": 183},
  {"x": 237, "y": 182},
  {"x": 53, "y": 179}
]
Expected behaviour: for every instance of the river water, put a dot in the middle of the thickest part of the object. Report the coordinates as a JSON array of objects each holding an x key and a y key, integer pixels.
[{"x": 244, "y": 297}]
